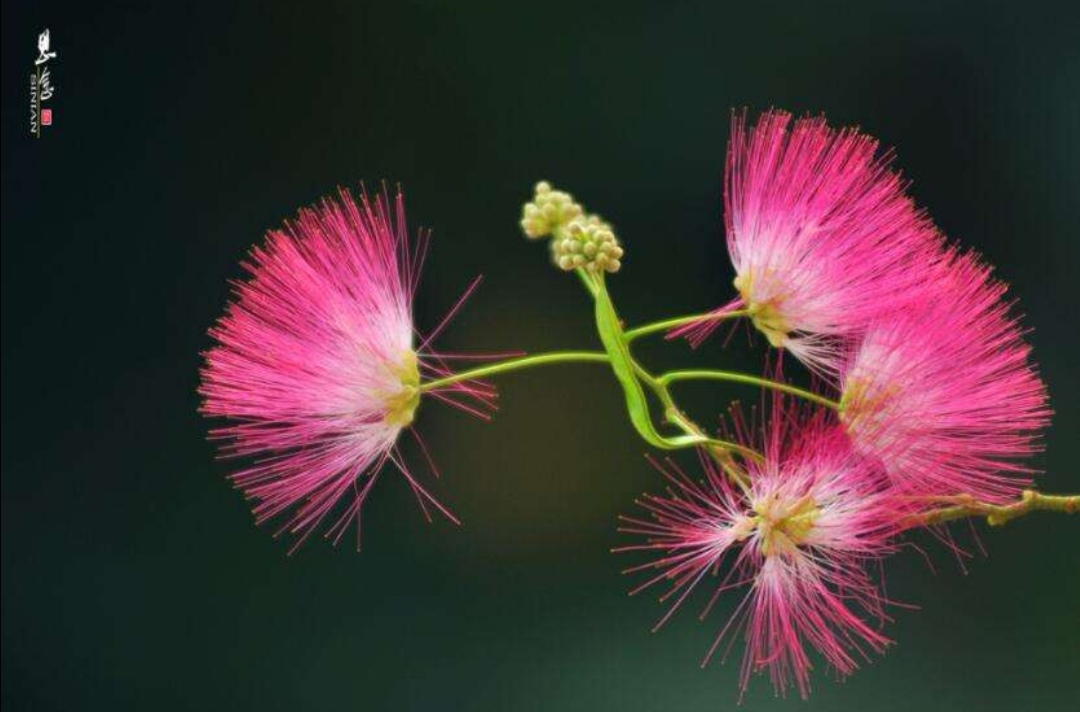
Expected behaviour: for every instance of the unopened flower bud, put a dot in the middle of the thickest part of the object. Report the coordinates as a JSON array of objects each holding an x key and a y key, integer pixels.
[
  {"x": 549, "y": 212},
  {"x": 589, "y": 242}
]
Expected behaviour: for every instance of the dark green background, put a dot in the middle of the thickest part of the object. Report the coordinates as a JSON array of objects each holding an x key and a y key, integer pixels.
[{"x": 133, "y": 577}]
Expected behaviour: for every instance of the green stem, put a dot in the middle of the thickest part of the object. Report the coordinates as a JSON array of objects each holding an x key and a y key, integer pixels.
[
  {"x": 590, "y": 283},
  {"x": 735, "y": 377},
  {"x": 632, "y": 375},
  {"x": 720, "y": 450},
  {"x": 517, "y": 364},
  {"x": 676, "y": 322},
  {"x": 998, "y": 514}
]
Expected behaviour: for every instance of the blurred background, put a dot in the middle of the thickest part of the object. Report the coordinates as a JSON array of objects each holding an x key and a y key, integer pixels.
[{"x": 133, "y": 577}]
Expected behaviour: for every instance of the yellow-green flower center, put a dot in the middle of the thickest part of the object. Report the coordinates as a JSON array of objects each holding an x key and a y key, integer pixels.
[
  {"x": 863, "y": 403},
  {"x": 401, "y": 403},
  {"x": 781, "y": 526},
  {"x": 765, "y": 315}
]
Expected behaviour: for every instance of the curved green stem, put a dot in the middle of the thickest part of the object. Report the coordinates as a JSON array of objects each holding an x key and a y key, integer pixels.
[
  {"x": 676, "y": 322},
  {"x": 631, "y": 376},
  {"x": 735, "y": 377},
  {"x": 998, "y": 514},
  {"x": 719, "y": 449},
  {"x": 516, "y": 364}
]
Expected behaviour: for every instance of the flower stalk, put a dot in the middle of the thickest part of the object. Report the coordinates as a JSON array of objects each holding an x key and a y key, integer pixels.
[
  {"x": 680, "y": 321},
  {"x": 517, "y": 364},
  {"x": 999, "y": 514},
  {"x": 735, "y": 377}
]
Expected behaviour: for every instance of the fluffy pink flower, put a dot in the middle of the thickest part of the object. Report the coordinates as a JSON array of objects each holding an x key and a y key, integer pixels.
[
  {"x": 798, "y": 542},
  {"x": 821, "y": 234},
  {"x": 944, "y": 393},
  {"x": 316, "y": 363}
]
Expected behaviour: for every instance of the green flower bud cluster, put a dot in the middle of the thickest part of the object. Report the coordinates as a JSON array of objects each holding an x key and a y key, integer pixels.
[
  {"x": 588, "y": 243},
  {"x": 549, "y": 212},
  {"x": 578, "y": 240}
]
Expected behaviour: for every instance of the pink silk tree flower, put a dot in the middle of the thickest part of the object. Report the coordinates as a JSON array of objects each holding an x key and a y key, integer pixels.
[
  {"x": 945, "y": 394},
  {"x": 316, "y": 364},
  {"x": 821, "y": 234},
  {"x": 799, "y": 542}
]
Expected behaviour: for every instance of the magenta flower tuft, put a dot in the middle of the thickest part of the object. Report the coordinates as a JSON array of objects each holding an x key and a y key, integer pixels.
[
  {"x": 944, "y": 394},
  {"x": 798, "y": 542},
  {"x": 821, "y": 234},
  {"x": 316, "y": 364}
]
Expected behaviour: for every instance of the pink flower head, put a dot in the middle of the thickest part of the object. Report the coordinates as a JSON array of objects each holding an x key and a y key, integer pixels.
[
  {"x": 944, "y": 393},
  {"x": 316, "y": 363},
  {"x": 821, "y": 234},
  {"x": 798, "y": 542}
]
